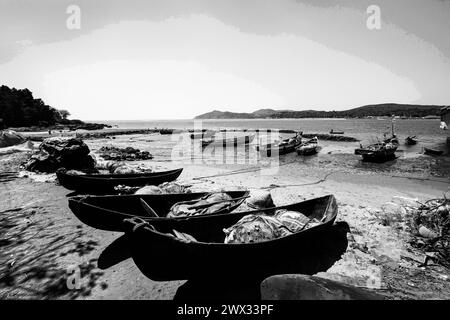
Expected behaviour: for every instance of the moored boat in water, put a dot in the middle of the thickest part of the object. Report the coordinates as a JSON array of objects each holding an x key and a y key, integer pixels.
[
  {"x": 284, "y": 147},
  {"x": 433, "y": 152},
  {"x": 166, "y": 131},
  {"x": 202, "y": 135},
  {"x": 228, "y": 142},
  {"x": 307, "y": 148},
  {"x": 379, "y": 152},
  {"x": 411, "y": 140}
]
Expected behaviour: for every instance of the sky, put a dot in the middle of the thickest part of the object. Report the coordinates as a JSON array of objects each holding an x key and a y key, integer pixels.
[{"x": 175, "y": 59}]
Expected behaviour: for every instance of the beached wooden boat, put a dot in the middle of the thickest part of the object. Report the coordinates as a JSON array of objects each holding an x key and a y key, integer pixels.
[
  {"x": 379, "y": 152},
  {"x": 308, "y": 147},
  {"x": 163, "y": 257},
  {"x": 108, "y": 212},
  {"x": 166, "y": 131},
  {"x": 336, "y": 132},
  {"x": 284, "y": 147},
  {"x": 202, "y": 135},
  {"x": 433, "y": 152},
  {"x": 228, "y": 142},
  {"x": 410, "y": 140},
  {"x": 100, "y": 183}
]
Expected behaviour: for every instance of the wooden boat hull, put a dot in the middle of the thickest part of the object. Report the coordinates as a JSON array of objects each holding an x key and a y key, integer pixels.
[
  {"x": 432, "y": 152},
  {"x": 202, "y": 135},
  {"x": 108, "y": 212},
  {"x": 230, "y": 142},
  {"x": 166, "y": 131},
  {"x": 378, "y": 152},
  {"x": 105, "y": 183},
  {"x": 307, "y": 151},
  {"x": 280, "y": 150},
  {"x": 410, "y": 141},
  {"x": 163, "y": 258},
  {"x": 376, "y": 156}
]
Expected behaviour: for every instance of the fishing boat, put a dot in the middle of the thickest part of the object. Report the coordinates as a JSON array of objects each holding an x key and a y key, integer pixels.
[
  {"x": 336, "y": 132},
  {"x": 161, "y": 255},
  {"x": 410, "y": 140},
  {"x": 202, "y": 135},
  {"x": 284, "y": 147},
  {"x": 99, "y": 183},
  {"x": 108, "y": 212},
  {"x": 308, "y": 147},
  {"x": 228, "y": 142},
  {"x": 433, "y": 152},
  {"x": 166, "y": 131},
  {"x": 379, "y": 152}
]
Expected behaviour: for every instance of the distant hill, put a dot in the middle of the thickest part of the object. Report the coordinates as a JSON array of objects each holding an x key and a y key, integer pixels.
[{"x": 374, "y": 110}]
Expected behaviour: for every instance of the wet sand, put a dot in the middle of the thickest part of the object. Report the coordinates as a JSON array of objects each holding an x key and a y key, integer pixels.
[{"x": 42, "y": 224}]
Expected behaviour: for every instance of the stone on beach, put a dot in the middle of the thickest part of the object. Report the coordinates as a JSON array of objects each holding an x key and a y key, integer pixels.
[
  {"x": 55, "y": 153},
  {"x": 10, "y": 138},
  {"x": 123, "y": 154},
  {"x": 303, "y": 287}
]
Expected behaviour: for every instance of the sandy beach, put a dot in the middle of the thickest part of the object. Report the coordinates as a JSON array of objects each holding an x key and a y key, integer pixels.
[{"x": 44, "y": 241}]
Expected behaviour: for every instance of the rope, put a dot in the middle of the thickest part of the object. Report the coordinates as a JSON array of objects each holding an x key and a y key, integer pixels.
[
  {"x": 274, "y": 186},
  {"x": 229, "y": 173}
]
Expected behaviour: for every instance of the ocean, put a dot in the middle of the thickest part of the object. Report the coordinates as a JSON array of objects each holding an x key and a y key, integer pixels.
[{"x": 366, "y": 130}]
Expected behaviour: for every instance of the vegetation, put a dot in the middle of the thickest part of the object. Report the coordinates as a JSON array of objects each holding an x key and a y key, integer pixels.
[
  {"x": 378, "y": 110},
  {"x": 19, "y": 109}
]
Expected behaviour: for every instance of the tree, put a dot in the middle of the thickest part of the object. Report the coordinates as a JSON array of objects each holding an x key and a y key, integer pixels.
[
  {"x": 18, "y": 108},
  {"x": 64, "y": 114}
]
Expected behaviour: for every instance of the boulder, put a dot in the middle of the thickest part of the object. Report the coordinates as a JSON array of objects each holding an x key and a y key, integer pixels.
[
  {"x": 10, "y": 138},
  {"x": 55, "y": 153},
  {"x": 303, "y": 287}
]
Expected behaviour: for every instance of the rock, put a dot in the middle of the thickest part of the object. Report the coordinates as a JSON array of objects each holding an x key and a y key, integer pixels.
[
  {"x": 427, "y": 233},
  {"x": 123, "y": 154},
  {"x": 56, "y": 153},
  {"x": 10, "y": 138},
  {"x": 302, "y": 287},
  {"x": 260, "y": 199}
]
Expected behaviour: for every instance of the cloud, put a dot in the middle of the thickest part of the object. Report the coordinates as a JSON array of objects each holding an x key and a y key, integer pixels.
[{"x": 181, "y": 67}]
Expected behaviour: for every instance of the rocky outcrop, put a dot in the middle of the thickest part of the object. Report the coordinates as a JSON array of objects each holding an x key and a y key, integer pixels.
[
  {"x": 123, "y": 154},
  {"x": 10, "y": 138},
  {"x": 55, "y": 153}
]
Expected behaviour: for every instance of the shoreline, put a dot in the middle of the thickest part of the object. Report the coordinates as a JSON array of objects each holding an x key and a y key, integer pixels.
[
  {"x": 373, "y": 248},
  {"x": 104, "y": 133}
]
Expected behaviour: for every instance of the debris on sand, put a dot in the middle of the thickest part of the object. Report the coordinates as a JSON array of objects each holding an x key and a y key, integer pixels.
[
  {"x": 57, "y": 152},
  {"x": 428, "y": 224},
  {"x": 112, "y": 167},
  {"x": 164, "y": 188},
  {"x": 123, "y": 154}
]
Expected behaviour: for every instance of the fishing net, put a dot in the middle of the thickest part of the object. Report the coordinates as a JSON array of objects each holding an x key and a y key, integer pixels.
[{"x": 256, "y": 228}]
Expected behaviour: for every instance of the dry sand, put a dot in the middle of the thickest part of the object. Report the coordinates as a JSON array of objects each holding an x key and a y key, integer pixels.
[{"x": 41, "y": 240}]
